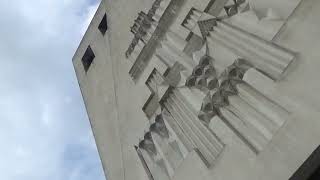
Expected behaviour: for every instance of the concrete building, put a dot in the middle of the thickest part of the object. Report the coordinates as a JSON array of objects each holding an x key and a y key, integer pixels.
[{"x": 204, "y": 89}]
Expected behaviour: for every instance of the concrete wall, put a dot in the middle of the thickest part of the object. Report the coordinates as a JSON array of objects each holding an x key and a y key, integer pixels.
[
  {"x": 114, "y": 103},
  {"x": 97, "y": 87},
  {"x": 131, "y": 97}
]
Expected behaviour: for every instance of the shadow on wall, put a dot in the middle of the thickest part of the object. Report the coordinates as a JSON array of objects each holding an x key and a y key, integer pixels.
[{"x": 310, "y": 169}]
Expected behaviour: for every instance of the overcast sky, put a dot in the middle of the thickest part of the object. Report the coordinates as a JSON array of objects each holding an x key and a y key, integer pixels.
[{"x": 44, "y": 131}]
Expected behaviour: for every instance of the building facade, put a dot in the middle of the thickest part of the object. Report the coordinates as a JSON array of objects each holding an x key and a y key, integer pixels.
[{"x": 203, "y": 89}]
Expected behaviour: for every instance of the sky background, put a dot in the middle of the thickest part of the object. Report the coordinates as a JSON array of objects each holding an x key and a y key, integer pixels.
[{"x": 45, "y": 133}]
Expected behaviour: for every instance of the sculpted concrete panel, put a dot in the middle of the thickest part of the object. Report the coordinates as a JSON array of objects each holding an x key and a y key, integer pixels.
[{"x": 238, "y": 91}]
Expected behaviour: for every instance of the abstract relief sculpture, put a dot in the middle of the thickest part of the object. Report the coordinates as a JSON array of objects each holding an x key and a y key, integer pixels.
[
  {"x": 243, "y": 108},
  {"x": 210, "y": 85}
]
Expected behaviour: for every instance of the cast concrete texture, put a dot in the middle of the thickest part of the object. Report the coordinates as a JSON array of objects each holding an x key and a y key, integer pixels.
[{"x": 114, "y": 102}]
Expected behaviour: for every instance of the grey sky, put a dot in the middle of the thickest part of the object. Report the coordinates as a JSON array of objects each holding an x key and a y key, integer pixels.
[{"x": 44, "y": 132}]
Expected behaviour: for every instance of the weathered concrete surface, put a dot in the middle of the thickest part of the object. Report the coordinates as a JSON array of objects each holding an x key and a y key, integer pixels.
[
  {"x": 131, "y": 119},
  {"x": 114, "y": 103}
]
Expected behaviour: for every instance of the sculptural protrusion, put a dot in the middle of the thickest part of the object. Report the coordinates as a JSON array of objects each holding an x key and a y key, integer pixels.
[
  {"x": 235, "y": 71},
  {"x": 205, "y": 60},
  {"x": 212, "y": 83},
  {"x": 191, "y": 81},
  {"x": 198, "y": 70},
  {"x": 201, "y": 82},
  {"x": 231, "y": 10},
  {"x": 219, "y": 100},
  {"x": 207, "y": 111},
  {"x": 204, "y": 75},
  {"x": 148, "y": 146},
  {"x": 209, "y": 71},
  {"x": 207, "y": 105},
  {"x": 233, "y": 7},
  {"x": 228, "y": 87},
  {"x": 205, "y": 117},
  {"x": 159, "y": 127}
]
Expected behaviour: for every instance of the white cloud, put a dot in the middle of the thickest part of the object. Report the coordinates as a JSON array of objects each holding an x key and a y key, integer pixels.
[
  {"x": 43, "y": 121},
  {"x": 91, "y": 11}
]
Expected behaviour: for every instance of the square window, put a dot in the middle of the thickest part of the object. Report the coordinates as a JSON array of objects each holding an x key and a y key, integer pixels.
[
  {"x": 103, "y": 26},
  {"x": 87, "y": 58}
]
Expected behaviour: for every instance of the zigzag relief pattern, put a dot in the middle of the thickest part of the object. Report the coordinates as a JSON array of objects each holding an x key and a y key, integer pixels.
[
  {"x": 154, "y": 83},
  {"x": 265, "y": 56},
  {"x": 146, "y": 23},
  {"x": 200, "y": 136},
  {"x": 179, "y": 131},
  {"x": 254, "y": 117},
  {"x": 262, "y": 18},
  {"x": 146, "y": 32},
  {"x": 194, "y": 91},
  {"x": 234, "y": 6},
  {"x": 271, "y": 59},
  {"x": 249, "y": 113},
  {"x": 164, "y": 147}
]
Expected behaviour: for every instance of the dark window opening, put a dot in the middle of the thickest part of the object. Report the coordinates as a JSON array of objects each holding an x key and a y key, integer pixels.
[
  {"x": 87, "y": 58},
  {"x": 103, "y": 26}
]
